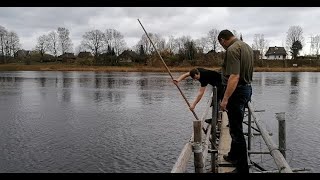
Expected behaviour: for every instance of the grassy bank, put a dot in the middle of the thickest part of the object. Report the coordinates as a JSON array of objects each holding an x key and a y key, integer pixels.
[{"x": 64, "y": 67}]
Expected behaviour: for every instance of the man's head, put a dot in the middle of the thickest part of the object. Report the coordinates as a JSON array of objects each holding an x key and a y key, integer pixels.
[
  {"x": 225, "y": 37},
  {"x": 195, "y": 74}
]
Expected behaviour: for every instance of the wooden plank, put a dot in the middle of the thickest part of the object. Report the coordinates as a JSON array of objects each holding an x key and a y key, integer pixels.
[
  {"x": 182, "y": 162},
  {"x": 224, "y": 146}
]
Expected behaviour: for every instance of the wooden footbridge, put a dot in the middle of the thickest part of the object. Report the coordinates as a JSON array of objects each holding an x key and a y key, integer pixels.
[{"x": 214, "y": 139}]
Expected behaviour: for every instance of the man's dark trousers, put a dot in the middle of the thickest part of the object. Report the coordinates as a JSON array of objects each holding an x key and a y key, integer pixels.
[{"x": 236, "y": 107}]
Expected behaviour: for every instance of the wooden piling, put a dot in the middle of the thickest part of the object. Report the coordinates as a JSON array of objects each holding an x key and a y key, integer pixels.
[
  {"x": 249, "y": 130},
  {"x": 214, "y": 128},
  {"x": 197, "y": 147},
  {"x": 282, "y": 132}
]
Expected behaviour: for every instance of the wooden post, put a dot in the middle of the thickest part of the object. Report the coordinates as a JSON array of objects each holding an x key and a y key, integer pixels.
[
  {"x": 214, "y": 128},
  {"x": 282, "y": 133},
  {"x": 197, "y": 147}
]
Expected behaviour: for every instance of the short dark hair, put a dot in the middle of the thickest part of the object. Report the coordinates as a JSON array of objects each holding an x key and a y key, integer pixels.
[
  {"x": 193, "y": 72},
  {"x": 225, "y": 34}
]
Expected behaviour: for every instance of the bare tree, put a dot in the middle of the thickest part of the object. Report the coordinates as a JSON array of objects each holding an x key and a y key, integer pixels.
[
  {"x": 9, "y": 43},
  {"x": 157, "y": 40},
  {"x": 79, "y": 48},
  {"x": 64, "y": 40},
  {"x": 14, "y": 42},
  {"x": 114, "y": 39},
  {"x": 213, "y": 39},
  {"x": 181, "y": 41},
  {"x": 202, "y": 44},
  {"x": 42, "y": 45},
  {"x": 3, "y": 34},
  {"x": 171, "y": 45},
  {"x": 190, "y": 49},
  {"x": 315, "y": 44},
  {"x": 144, "y": 41},
  {"x": 259, "y": 43},
  {"x": 94, "y": 41},
  {"x": 53, "y": 42},
  {"x": 294, "y": 35}
]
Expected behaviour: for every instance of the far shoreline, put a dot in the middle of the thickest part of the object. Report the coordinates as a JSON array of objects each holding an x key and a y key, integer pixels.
[{"x": 64, "y": 67}]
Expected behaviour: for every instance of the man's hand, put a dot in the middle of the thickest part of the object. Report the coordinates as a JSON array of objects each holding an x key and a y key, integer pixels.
[
  {"x": 223, "y": 104},
  {"x": 175, "y": 81},
  {"x": 192, "y": 106}
]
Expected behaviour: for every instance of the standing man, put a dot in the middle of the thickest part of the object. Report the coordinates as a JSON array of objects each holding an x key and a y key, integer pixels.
[
  {"x": 237, "y": 71},
  {"x": 205, "y": 77}
]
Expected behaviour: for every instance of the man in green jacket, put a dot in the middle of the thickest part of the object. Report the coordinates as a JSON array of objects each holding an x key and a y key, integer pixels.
[{"x": 237, "y": 71}]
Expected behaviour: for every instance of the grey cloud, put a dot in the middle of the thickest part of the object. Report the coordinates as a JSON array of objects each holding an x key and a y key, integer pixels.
[{"x": 273, "y": 22}]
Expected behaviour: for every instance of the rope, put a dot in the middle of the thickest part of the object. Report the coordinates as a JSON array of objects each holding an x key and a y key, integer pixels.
[{"x": 197, "y": 147}]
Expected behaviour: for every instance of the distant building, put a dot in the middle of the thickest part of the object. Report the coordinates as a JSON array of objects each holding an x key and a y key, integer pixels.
[
  {"x": 21, "y": 53},
  {"x": 128, "y": 56},
  {"x": 84, "y": 54},
  {"x": 67, "y": 56},
  {"x": 276, "y": 53},
  {"x": 211, "y": 52}
]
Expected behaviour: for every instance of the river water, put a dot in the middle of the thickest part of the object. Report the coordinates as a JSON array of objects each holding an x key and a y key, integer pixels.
[{"x": 135, "y": 122}]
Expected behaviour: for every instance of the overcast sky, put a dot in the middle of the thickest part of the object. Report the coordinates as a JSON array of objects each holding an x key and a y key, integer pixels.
[{"x": 29, "y": 23}]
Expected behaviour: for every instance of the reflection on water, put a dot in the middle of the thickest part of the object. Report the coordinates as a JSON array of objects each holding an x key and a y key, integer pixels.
[{"x": 132, "y": 122}]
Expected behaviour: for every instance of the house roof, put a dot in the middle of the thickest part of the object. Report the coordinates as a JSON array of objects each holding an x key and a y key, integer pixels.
[
  {"x": 127, "y": 53},
  {"x": 83, "y": 53},
  {"x": 276, "y": 51}
]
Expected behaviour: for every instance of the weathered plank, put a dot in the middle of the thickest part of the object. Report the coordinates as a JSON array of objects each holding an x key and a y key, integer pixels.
[
  {"x": 181, "y": 164},
  {"x": 224, "y": 146}
]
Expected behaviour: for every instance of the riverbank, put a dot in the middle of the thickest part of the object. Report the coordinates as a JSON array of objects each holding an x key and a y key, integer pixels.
[{"x": 64, "y": 67}]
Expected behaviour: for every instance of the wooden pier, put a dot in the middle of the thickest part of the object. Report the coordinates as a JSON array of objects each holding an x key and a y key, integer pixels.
[
  {"x": 224, "y": 146},
  {"x": 213, "y": 138}
]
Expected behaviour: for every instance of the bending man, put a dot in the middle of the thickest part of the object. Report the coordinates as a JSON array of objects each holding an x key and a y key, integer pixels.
[{"x": 205, "y": 77}]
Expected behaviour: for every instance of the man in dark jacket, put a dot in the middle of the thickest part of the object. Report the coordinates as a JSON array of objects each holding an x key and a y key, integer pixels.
[{"x": 205, "y": 77}]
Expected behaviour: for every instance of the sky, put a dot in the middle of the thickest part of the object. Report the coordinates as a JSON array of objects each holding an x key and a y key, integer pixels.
[{"x": 31, "y": 22}]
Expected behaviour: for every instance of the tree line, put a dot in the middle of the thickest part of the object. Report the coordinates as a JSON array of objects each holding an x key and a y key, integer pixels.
[{"x": 111, "y": 42}]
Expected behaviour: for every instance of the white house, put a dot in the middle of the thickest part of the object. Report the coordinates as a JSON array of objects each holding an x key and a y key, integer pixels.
[{"x": 276, "y": 53}]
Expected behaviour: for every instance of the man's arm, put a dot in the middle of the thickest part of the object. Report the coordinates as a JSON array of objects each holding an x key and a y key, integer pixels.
[
  {"x": 182, "y": 77},
  {"x": 231, "y": 86},
  {"x": 198, "y": 98}
]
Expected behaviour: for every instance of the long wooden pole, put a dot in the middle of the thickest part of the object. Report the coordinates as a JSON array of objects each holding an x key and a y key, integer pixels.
[{"x": 168, "y": 70}]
